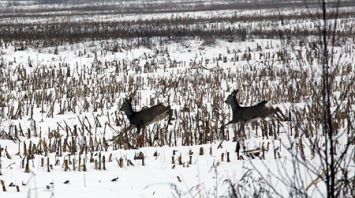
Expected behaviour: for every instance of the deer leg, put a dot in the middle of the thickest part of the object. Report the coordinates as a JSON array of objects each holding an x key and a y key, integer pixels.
[
  {"x": 130, "y": 127},
  {"x": 240, "y": 132},
  {"x": 139, "y": 136},
  {"x": 235, "y": 132},
  {"x": 279, "y": 117},
  {"x": 265, "y": 128},
  {"x": 170, "y": 116},
  {"x": 242, "y": 129},
  {"x": 142, "y": 137},
  {"x": 279, "y": 113}
]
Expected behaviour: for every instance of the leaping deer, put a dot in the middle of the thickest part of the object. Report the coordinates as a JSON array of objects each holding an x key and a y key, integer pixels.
[
  {"x": 248, "y": 114},
  {"x": 143, "y": 118}
]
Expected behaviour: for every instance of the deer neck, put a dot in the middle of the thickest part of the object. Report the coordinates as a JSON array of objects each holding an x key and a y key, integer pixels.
[
  {"x": 129, "y": 113},
  {"x": 235, "y": 107}
]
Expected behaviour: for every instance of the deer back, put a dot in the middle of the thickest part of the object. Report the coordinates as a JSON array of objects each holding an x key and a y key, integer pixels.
[
  {"x": 260, "y": 110},
  {"x": 152, "y": 114}
]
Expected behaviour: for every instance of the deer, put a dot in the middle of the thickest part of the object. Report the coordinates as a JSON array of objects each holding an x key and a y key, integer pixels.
[
  {"x": 145, "y": 117},
  {"x": 246, "y": 114}
]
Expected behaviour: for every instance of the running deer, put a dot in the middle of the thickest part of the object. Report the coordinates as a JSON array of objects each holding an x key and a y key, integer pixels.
[
  {"x": 251, "y": 113},
  {"x": 143, "y": 118}
]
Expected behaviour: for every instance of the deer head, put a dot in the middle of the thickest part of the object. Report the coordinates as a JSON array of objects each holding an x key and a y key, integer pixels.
[
  {"x": 231, "y": 99},
  {"x": 127, "y": 108}
]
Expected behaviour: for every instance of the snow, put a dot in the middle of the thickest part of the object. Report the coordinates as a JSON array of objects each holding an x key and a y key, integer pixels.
[{"x": 202, "y": 75}]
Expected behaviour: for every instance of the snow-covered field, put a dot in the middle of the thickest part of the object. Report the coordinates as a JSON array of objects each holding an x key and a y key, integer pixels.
[{"x": 60, "y": 111}]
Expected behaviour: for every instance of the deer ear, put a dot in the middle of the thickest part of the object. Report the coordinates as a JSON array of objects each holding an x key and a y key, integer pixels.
[
  {"x": 235, "y": 92},
  {"x": 129, "y": 99}
]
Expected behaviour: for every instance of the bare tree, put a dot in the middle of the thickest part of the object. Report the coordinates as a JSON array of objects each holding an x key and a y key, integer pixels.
[{"x": 321, "y": 150}]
